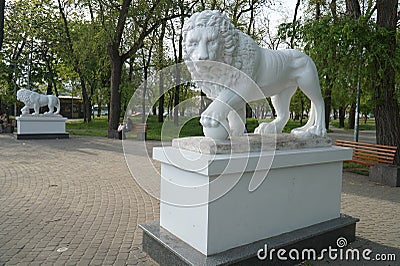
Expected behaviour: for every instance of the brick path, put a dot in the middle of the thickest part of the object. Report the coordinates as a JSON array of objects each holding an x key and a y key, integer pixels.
[
  {"x": 74, "y": 193},
  {"x": 79, "y": 194}
]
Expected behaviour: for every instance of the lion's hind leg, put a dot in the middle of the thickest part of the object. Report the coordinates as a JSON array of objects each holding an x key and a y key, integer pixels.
[
  {"x": 51, "y": 108},
  {"x": 309, "y": 84},
  {"x": 57, "y": 104},
  {"x": 50, "y": 105},
  {"x": 281, "y": 103}
]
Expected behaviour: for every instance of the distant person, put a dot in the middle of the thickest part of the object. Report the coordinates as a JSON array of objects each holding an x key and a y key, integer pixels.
[
  {"x": 121, "y": 131},
  {"x": 3, "y": 122},
  {"x": 121, "y": 127}
]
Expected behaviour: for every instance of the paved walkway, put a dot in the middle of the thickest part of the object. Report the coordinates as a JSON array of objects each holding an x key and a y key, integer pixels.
[
  {"x": 76, "y": 194},
  {"x": 74, "y": 202}
]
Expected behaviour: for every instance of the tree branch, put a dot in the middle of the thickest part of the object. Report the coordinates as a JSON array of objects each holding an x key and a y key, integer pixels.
[{"x": 145, "y": 32}]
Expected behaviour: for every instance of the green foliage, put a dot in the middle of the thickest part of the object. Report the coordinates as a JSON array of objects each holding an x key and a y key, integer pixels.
[{"x": 251, "y": 124}]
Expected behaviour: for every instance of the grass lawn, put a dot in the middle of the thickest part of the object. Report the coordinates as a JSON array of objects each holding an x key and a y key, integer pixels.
[
  {"x": 356, "y": 168},
  {"x": 370, "y": 125},
  {"x": 97, "y": 127},
  {"x": 187, "y": 127}
]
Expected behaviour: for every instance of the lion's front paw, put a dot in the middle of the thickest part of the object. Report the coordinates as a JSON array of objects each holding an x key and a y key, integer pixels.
[
  {"x": 266, "y": 128},
  {"x": 307, "y": 133},
  {"x": 301, "y": 133},
  {"x": 318, "y": 131}
]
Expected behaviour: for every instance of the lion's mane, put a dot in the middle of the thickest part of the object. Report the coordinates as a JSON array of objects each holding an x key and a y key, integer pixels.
[
  {"x": 239, "y": 48},
  {"x": 24, "y": 96}
]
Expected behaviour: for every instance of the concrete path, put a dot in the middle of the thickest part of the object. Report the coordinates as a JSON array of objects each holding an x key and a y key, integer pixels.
[
  {"x": 74, "y": 201},
  {"x": 368, "y": 136}
]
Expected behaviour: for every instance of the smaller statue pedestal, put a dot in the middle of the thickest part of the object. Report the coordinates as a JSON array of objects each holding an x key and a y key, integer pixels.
[
  {"x": 41, "y": 127},
  {"x": 208, "y": 208}
]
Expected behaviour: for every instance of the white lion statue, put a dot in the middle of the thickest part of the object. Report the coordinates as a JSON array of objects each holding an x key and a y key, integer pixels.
[
  {"x": 36, "y": 100},
  {"x": 209, "y": 36}
]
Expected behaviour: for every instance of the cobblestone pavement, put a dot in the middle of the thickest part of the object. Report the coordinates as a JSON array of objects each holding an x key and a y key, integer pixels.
[
  {"x": 77, "y": 195},
  {"x": 74, "y": 193}
]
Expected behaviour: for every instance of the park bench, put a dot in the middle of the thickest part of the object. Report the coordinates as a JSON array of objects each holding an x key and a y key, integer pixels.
[
  {"x": 369, "y": 154},
  {"x": 379, "y": 159}
]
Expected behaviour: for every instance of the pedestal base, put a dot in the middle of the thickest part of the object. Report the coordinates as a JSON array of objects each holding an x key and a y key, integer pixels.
[
  {"x": 207, "y": 201},
  {"x": 41, "y": 127},
  {"x": 43, "y": 136},
  {"x": 167, "y": 249}
]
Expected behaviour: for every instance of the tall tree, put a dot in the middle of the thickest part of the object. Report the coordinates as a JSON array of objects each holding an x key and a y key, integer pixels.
[
  {"x": 353, "y": 10},
  {"x": 145, "y": 23},
  {"x": 2, "y": 7},
  {"x": 86, "y": 100},
  {"x": 160, "y": 66},
  {"x": 387, "y": 113}
]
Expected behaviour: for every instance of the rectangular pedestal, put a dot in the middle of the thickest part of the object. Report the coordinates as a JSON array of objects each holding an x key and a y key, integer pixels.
[
  {"x": 210, "y": 201},
  {"x": 167, "y": 249},
  {"x": 39, "y": 127}
]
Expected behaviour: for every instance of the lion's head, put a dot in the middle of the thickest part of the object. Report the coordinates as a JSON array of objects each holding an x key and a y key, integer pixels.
[
  {"x": 23, "y": 95},
  {"x": 209, "y": 35}
]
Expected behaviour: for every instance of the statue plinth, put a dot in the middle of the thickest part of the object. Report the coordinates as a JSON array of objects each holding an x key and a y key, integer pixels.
[
  {"x": 41, "y": 127},
  {"x": 213, "y": 201},
  {"x": 250, "y": 143}
]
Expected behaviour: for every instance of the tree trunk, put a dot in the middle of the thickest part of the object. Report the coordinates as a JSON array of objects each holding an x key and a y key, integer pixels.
[
  {"x": 87, "y": 105},
  {"x": 387, "y": 113},
  {"x": 115, "y": 101},
  {"x": 342, "y": 112},
  {"x": 160, "y": 48},
  {"x": 328, "y": 105},
  {"x": 328, "y": 90},
  {"x": 352, "y": 116},
  {"x": 2, "y": 7},
  {"x": 353, "y": 8},
  {"x": 292, "y": 38},
  {"x": 178, "y": 70},
  {"x": 273, "y": 111},
  {"x": 86, "y": 101},
  {"x": 146, "y": 64}
]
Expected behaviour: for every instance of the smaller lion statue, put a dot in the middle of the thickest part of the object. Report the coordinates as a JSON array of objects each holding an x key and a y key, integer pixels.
[{"x": 34, "y": 100}]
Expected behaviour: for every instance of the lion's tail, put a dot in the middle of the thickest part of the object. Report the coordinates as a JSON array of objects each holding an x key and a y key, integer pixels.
[{"x": 58, "y": 106}]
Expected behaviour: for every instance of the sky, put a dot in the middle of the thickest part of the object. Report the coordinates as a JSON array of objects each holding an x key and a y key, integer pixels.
[{"x": 285, "y": 11}]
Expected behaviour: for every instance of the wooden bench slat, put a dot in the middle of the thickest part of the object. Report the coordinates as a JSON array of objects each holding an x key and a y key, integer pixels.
[
  {"x": 373, "y": 159},
  {"x": 376, "y": 155},
  {"x": 373, "y": 155},
  {"x": 369, "y": 148},
  {"x": 366, "y": 144}
]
